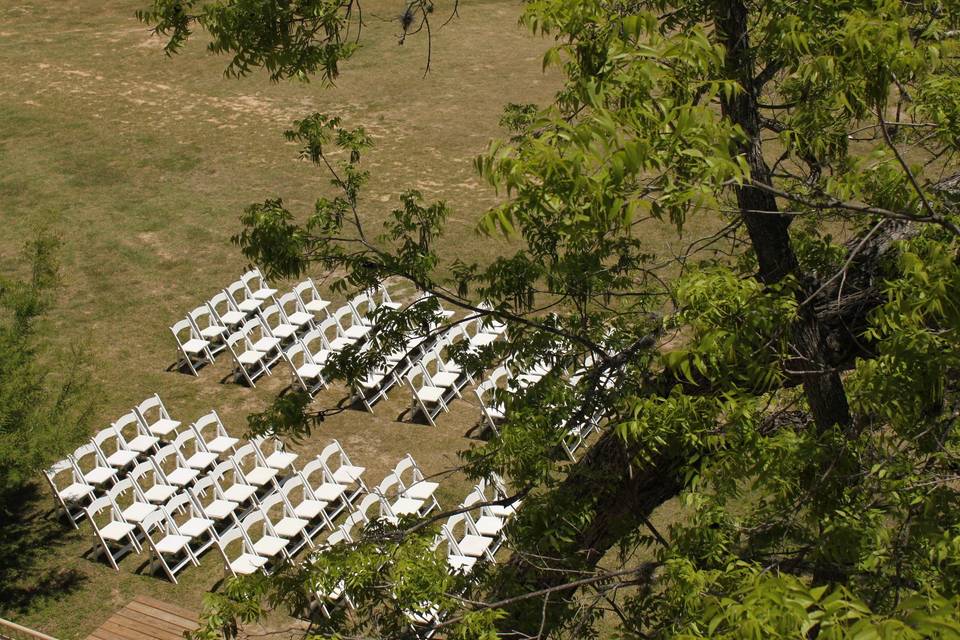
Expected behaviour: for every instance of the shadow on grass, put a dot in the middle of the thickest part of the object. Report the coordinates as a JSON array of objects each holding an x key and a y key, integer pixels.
[{"x": 28, "y": 533}]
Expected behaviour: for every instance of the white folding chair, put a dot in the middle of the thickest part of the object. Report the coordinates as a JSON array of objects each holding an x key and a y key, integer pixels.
[
  {"x": 242, "y": 298},
  {"x": 273, "y": 453},
  {"x": 225, "y": 311},
  {"x": 155, "y": 417},
  {"x": 257, "y": 285},
  {"x": 315, "y": 343},
  {"x": 210, "y": 328},
  {"x": 485, "y": 522},
  {"x": 414, "y": 485},
  {"x": 130, "y": 502},
  {"x": 363, "y": 307},
  {"x": 351, "y": 326},
  {"x": 231, "y": 485},
  {"x": 427, "y": 397},
  {"x": 250, "y": 363},
  {"x": 243, "y": 561},
  {"x": 194, "y": 350},
  {"x": 297, "y": 493},
  {"x": 493, "y": 408},
  {"x": 258, "y": 332},
  {"x": 307, "y": 373},
  {"x": 470, "y": 544},
  {"x": 71, "y": 497},
  {"x": 174, "y": 467},
  {"x": 170, "y": 548},
  {"x": 478, "y": 337},
  {"x": 219, "y": 441},
  {"x": 266, "y": 543},
  {"x": 312, "y": 301},
  {"x": 372, "y": 388},
  {"x": 192, "y": 522},
  {"x": 276, "y": 322},
  {"x": 253, "y": 470},
  {"x": 438, "y": 373},
  {"x": 151, "y": 482},
  {"x": 342, "y": 470},
  {"x": 361, "y": 516},
  {"x": 394, "y": 504},
  {"x": 334, "y": 336},
  {"x": 490, "y": 324},
  {"x": 135, "y": 435},
  {"x": 319, "y": 485},
  {"x": 285, "y": 523},
  {"x": 193, "y": 450},
  {"x": 92, "y": 466},
  {"x": 113, "y": 449},
  {"x": 296, "y": 313},
  {"x": 493, "y": 489},
  {"x": 116, "y": 536},
  {"x": 212, "y": 502}
]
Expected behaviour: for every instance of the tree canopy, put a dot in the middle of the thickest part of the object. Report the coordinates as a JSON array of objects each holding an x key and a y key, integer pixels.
[{"x": 789, "y": 381}]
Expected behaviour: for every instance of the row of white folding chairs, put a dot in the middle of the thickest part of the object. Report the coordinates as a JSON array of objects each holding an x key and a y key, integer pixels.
[
  {"x": 483, "y": 527},
  {"x": 256, "y": 347},
  {"x": 499, "y": 381},
  {"x": 308, "y": 500}
]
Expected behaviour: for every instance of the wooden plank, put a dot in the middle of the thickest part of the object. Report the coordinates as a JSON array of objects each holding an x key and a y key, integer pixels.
[
  {"x": 116, "y": 632},
  {"x": 169, "y": 618},
  {"x": 166, "y": 606},
  {"x": 151, "y": 627}
]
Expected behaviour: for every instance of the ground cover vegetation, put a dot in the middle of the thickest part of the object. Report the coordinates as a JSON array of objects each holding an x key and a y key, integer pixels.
[{"x": 798, "y": 394}]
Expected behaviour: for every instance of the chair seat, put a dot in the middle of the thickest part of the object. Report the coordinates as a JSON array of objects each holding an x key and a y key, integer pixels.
[
  {"x": 201, "y": 460},
  {"x": 317, "y": 306},
  {"x": 501, "y": 511},
  {"x": 406, "y": 506},
  {"x": 372, "y": 381},
  {"x": 233, "y": 317},
  {"x": 309, "y": 509},
  {"x": 164, "y": 426},
  {"x": 116, "y": 530},
  {"x": 159, "y": 493},
  {"x": 339, "y": 344},
  {"x": 461, "y": 564},
  {"x": 348, "y": 474},
  {"x": 76, "y": 492},
  {"x": 195, "y": 345},
  {"x": 99, "y": 475},
  {"x": 489, "y": 526},
  {"x": 280, "y": 460},
  {"x": 172, "y": 543},
  {"x": 266, "y": 344},
  {"x": 137, "y": 511},
  {"x": 182, "y": 476},
  {"x": 421, "y": 490},
  {"x": 143, "y": 443},
  {"x": 239, "y": 492},
  {"x": 482, "y": 339},
  {"x": 220, "y": 509},
  {"x": 212, "y": 332},
  {"x": 356, "y": 331},
  {"x": 283, "y": 331},
  {"x": 221, "y": 444},
  {"x": 260, "y": 476},
  {"x": 195, "y": 527},
  {"x": 270, "y": 546},
  {"x": 121, "y": 458},
  {"x": 430, "y": 394},
  {"x": 300, "y": 318},
  {"x": 250, "y": 304},
  {"x": 496, "y": 412},
  {"x": 444, "y": 379},
  {"x": 251, "y": 357},
  {"x": 309, "y": 371},
  {"x": 247, "y": 563},
  {"x": 474, "y": 546},
  {"x": 321, "y": 356},
  {"x": 289, "y": 527},
  {"x": 263, "y": 293},
  {"x": 329, "y": 491}
]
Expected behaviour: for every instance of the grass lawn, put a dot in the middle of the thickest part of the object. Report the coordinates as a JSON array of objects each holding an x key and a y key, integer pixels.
[{"x": 142, "y": 164}]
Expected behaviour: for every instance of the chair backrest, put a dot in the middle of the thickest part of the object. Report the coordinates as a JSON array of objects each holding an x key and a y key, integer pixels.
[
  {"x": 326, "y": 457},
  {"x": 270, "y": 504},
  {"x": 244, "y": 455},
  {"x": 253, "y": 279},
  {"x": 417, "y": 378},
  {"x": 181, "y": 502},
  {"x": 390, "y": 486},
  {"x": 188, "y": 439},
  {"x": 123, "y": 423},
  {"x": 273, "y": 316},
  {"x": 158, "y": 519},
  {"x": 407, "y": 463},
  {"x": 238, "y": 342},
  {"x": 355, "y": 518},
  {"x": 290, "y": 303},
  {"x": 255, "y": 327},
  {"x": 344, "y": 313},
  {"x": 294, "y": 483},
  {"x": 297, "y": 355},
  {"x": 59, "y": 467},
  {"x": 151, "y": 410},
  {"x": 238, "y": 291},
  {"x": 202, "y": 317},
  {"x": 121, "y": 488},
  {"x": 363, "y": 507},
  {"x": 314, "y": 336},
  {"x": 86, "y": 454},
  {"x": 142, "y": 469},
  {"x": 307, "y": 291},
  {"x": 96, "y": 506},
  {"x": 164, "y": 454},
  {"x": 212, "y": 418},
  {"x": 184, "y": 330},
  {"x": 230, "y": 536},
  {"x": 104, "y": 437},
  {"x": 221, "y": 303},
  {"x": 363, "y": 305},
  {"x": 205, "y": 487},
  {"x": 329, "y": 330}
]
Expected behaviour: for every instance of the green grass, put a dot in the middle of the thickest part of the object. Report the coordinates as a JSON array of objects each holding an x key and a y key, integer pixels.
[{"x": 142, "y": 164}]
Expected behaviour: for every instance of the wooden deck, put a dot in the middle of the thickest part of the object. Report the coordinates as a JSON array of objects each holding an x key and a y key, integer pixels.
[{"x": 146, "y": 619}]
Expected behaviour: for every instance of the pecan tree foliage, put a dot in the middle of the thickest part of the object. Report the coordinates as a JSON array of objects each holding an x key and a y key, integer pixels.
[{"x": 788, "y": 382}]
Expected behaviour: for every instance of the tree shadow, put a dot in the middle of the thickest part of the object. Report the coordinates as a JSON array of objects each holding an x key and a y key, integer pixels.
[{"x": 28, "y": 533}]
